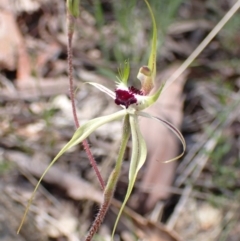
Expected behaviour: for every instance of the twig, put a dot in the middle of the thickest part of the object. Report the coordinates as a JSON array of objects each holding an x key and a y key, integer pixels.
[{"x": 202, "y": 45}]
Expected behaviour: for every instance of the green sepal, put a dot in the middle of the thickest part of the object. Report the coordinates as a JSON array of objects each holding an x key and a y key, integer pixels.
[
  {"x": 80, "y": 134},
  {"x": 138, "y": 158},
  {"x": 85, "y": 130},
  {"x": 153, "y": 98},
  {"x": 103, "y": 89},
  {"x": 153, "y": 54},
  {"x": 172, "y": 128},
  {"x": 139, "y": 150}
]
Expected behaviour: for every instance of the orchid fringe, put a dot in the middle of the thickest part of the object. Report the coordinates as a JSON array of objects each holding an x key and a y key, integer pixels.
[
  {"x": 71, "y": 25},
  {"x": 112, "y": 181}
]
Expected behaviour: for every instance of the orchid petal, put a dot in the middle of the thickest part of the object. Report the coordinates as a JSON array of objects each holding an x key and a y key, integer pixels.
[
  {"x": 145, "y": 101},
  {"x": 152, "y": 58},
  {"x": 170, "y": 127},
  {"x": 138, "y": 158},
  {"x": 124, "y": 73},
  {"x": 153, "y": 98},
  {"x": 80, "y": 134},
  {"x": 103, "y": 89}
]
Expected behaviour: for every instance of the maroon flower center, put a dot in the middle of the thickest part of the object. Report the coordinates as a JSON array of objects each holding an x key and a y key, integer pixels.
[{"x": 127, "y": 97}]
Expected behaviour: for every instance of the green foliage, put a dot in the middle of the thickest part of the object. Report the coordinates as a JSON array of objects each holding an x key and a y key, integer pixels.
[
  {"x": 5, "y": 166},
  {"x": 47, "y": 115},
  {"x": 130, "y": 27},
  {"x": 73, "y": 7},
  {"x": 231, "y": 33},
  {"x": 165, "y": 12},
  {"x": 225, "y": 173}
]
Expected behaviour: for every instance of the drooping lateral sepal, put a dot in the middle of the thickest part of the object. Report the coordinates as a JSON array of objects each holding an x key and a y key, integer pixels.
[
  {"x": 172, "y": 128},
  {"x": 138, "y": 158}
]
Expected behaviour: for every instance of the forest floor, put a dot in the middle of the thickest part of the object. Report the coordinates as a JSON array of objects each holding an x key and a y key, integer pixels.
[{"x": 193, "y": 199}]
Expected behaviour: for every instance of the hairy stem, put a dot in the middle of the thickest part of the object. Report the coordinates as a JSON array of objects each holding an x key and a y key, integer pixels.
[
  {"x": 70, "y": 26},
  {"x": 112, "y": 181}
]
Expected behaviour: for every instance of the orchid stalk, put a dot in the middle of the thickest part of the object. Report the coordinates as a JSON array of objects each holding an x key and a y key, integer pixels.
[
  {"x": 72, "y": 13},
  {"x": 133, "y": 102}
]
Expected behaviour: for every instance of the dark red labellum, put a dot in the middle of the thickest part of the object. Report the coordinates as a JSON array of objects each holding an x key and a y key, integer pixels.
[
  {"x": 135, "y": 90},
  {"x": 126, "y": 97}
]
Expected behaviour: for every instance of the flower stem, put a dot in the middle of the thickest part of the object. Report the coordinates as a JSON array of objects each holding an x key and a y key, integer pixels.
[
  {"x": 70, "y": 26},
  {"x": 112, "y": 181}
]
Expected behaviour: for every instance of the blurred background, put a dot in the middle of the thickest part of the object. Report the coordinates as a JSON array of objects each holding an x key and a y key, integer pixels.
[{"x": 193, "y": 199}]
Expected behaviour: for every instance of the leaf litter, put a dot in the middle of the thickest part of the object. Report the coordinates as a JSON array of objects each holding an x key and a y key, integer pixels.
[{"x": 211, "y": 115}]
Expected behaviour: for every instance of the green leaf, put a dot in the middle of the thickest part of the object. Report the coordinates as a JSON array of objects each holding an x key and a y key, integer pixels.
[
  {"x": 138, "y": 158},
  {"x": 80, "y": 134},
  {"x": 170, "y": 127},
  {"x": 103, "y": 89}
]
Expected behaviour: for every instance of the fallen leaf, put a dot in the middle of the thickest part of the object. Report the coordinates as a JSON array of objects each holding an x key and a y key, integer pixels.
[
  {"x": 33, "y": 88},
  {"x": 8, "y": 42},
  {"x": 10, "y": 216},
  {"x": 13, "y": 54},
  {"x": 74, "y": 186},
  {"x": 162, "y": 144},
  {"x": 145, "y": 229}
]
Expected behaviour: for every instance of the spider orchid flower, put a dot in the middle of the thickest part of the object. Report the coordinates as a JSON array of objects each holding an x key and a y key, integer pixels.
[{"x": 132, "y": 101}]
